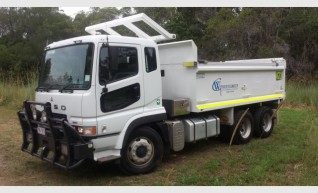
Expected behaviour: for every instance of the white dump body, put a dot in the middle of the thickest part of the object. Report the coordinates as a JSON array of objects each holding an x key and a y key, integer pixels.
[{"x": 218, "y": 85}]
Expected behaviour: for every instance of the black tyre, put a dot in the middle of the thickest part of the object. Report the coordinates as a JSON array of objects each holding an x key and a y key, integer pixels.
[
  {"x": 226, "y": 133},
  {"x": 245, "y": 130},
  {"x": 264, "y": 123},
  {"x": 143, "y": 151}
]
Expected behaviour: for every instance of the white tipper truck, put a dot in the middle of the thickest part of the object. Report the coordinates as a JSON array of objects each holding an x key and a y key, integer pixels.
[{"x": 111, "y": 97}]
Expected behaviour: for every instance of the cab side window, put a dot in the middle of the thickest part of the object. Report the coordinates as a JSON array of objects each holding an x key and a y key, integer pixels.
[
  {"x": 150, "y": 59},
  {"x": 120, "y": 98},
  {"x": 117, "y": 63}
]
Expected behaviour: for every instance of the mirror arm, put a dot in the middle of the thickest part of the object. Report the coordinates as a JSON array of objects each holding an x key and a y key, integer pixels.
[{"x": 105, "y": 90}]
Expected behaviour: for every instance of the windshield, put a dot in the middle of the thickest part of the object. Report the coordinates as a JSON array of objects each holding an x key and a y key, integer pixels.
[{"x": 67, "y": 67}]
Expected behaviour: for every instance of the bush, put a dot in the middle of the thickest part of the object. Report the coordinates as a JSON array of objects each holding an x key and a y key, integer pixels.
[
  {"x": 305, "y": 94},
  {"x": 13, "y": 93}
]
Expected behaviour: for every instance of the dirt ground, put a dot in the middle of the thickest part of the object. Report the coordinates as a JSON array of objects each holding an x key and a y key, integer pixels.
[{"x": 7, "y": 123}]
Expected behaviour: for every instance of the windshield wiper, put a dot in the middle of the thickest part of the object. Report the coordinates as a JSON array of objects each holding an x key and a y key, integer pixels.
[
  {"x": 40, "y": 88},
  {"x": 67, "y": 87},
  {"x": 46, "y": 89}
]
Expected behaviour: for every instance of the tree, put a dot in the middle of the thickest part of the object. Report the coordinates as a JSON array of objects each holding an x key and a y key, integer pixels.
[
  {"x": 245, "y": 33},
  {"x": 25, "y": 32},
  {"x": 220, "y": 33},
  {"x": 94, "y": 16},
  {"x": 300, "y": 32}
]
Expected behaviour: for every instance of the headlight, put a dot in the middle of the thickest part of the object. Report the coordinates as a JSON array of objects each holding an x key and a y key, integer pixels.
[
  {"x": 34, "y": 113},
  {"x": 64, "y": 149},
  {"x": 29, "y": 138},
  {"x": 90, "y": 130},
  {"x": 43, "y": 116}
]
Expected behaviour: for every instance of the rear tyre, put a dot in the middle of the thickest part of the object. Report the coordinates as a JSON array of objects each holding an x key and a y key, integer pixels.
[
  {"x": 245, "y": 130},
  {"x": 264, "y": 123},
  {"x": 226, "y": 133},
  {"x": 143, "y": 151}
]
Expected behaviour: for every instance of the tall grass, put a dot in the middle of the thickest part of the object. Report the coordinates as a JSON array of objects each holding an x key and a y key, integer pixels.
[
  {"x": 301, "y": 94},
  {"x": 310, "y": 154},
  {"x": 14, "y": 91}
]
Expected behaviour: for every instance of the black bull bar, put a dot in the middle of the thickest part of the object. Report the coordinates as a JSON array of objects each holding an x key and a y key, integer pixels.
[{"x": 54, "y": 139}]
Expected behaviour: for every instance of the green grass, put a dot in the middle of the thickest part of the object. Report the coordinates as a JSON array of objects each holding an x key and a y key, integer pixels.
[
  {"x": 287, "y": 157},
  {"x": 302, "y": 94},
  {"x": 13, "y": 93}
]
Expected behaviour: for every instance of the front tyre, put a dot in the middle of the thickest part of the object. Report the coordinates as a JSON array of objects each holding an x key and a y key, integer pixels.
[{"x": 143, "y": 151}]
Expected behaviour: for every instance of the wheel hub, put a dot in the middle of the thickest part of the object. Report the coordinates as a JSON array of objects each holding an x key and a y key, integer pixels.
[
  {"x": 246, "y": 128},
  {"x": 267, "y": 122},
  {"x": 140, "y": 151}
]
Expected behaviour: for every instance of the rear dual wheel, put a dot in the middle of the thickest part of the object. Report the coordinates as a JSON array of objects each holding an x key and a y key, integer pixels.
[
  {"x": 264, "y": 123},
  {"x": 244, "y": 131}
]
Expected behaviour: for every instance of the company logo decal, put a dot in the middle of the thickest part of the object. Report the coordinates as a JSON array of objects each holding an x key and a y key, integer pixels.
[{"x": 218, "y": 86}]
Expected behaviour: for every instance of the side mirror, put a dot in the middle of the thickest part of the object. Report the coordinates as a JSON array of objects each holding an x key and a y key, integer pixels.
[{"x": 105, "y": 65}]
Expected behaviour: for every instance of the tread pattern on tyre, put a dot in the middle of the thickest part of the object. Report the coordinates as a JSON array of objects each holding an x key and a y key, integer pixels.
[
  {"x": 258, "y": 116},
  {"x": 238, "y": 139},
  {"x": 227, "y": 131}
]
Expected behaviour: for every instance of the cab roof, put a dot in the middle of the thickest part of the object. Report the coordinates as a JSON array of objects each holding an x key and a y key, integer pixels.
[{"x": 102, "y": 39}]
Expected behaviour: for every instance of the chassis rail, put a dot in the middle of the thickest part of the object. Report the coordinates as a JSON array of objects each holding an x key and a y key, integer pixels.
[{"x": 53, "y": 140}]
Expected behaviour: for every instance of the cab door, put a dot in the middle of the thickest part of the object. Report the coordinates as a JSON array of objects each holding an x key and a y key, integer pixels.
[{"x": 120, "y": 69}]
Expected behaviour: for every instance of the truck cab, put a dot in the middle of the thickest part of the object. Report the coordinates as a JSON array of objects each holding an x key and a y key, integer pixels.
[{"x": 98, "y": 83}]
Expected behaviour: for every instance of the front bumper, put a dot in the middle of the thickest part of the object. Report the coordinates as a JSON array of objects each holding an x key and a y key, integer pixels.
[{"x": 55, "y": 140}]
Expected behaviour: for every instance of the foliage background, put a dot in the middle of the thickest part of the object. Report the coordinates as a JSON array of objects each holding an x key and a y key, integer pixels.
[{"x": 220, "y": 34}]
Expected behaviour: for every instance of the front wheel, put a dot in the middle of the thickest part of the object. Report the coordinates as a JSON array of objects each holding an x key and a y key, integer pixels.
[{"x": 142, "y": 152}]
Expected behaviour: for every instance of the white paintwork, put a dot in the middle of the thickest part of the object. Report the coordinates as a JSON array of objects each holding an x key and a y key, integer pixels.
[
  {"x": 253, "y": 78},
  {"x": 102, "y": 38},
  {"x": 152, "y": 83},
  {"x": 110, "y": 146},
  {"x": 104, "y": 143},
  {"x": 178, "y": 52},
  {"x": 73, "y": 103},
  {"x": 155, "y": 111},
  {"x": 114, "y": 121},
  {"x": 128, "y": 22},
  {"x": 111, "y": 153}
]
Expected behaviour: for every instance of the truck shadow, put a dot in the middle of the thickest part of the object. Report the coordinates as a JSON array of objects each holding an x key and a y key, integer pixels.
[
  {"x": 111, "y": 169},
  {"x": 93, "y": 173}
]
